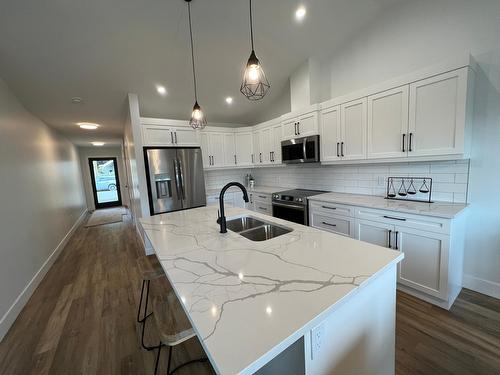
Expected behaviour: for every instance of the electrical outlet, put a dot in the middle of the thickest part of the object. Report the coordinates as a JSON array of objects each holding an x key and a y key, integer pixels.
[{"x": 317, "y": 337}]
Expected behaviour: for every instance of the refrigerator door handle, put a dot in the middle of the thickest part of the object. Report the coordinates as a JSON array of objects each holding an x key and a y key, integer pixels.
[
  {"x": 181, "y": 179},
  {"x": 176, "y": 172}
]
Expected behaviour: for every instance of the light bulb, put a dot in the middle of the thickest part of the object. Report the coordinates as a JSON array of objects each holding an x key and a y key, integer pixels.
[
  {"x": 197, "y": 114},
  {"x": 253, "y": 73}
]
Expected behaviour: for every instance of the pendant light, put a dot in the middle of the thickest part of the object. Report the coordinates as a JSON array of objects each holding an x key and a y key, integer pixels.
[
  {"x": 197, "y": 120},
  {"x": 255, "y": 84}
]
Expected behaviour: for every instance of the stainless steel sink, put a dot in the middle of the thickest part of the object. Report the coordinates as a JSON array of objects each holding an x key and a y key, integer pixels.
[
  {"x": 255, "y": 229},
  {"x": 243, "y": 223}
]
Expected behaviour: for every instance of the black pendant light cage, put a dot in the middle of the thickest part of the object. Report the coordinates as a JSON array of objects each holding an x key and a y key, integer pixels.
[
  {"x": 254, "y": 87},
  {"x": 198, "y": 119}
]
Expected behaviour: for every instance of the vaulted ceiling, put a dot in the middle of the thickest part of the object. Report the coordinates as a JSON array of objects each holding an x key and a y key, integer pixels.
[{"x": 53, "y": 50}]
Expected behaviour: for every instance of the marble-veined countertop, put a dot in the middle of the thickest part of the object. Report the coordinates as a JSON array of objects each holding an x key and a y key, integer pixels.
[
  {"x": 256, "y": 189},
  {"x": 438, "y": 209},
  {"x": 248, "y": 300}
]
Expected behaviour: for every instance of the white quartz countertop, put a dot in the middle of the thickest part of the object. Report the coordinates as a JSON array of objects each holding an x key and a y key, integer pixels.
[
  {"x": 256, "y": 189},
  {"x": 248, "y": 301},
  {"x": 438, "y": 209}
]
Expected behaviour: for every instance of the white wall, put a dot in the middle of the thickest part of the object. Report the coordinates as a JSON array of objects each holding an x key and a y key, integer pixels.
[
  {"x": 98, "y": 152},
  {"x": 41, "y": 199},
  {"x": 417, "y": 34}
]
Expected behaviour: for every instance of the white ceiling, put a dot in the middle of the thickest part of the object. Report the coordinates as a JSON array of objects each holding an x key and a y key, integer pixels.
[{"x": 53, "y": 50}]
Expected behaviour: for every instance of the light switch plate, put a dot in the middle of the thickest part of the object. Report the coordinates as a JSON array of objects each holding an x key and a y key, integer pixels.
[{"x": 317, "y": 338}]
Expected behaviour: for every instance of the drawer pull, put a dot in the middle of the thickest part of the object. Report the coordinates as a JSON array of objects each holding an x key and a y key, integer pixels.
[
  {"x": 262, "y": 208},
  {"x": 262, "y": 196},
  {"x": 331, "y": 225},
  {"x": 394, "y": 218},
  {"x": 330, "y": 208}
]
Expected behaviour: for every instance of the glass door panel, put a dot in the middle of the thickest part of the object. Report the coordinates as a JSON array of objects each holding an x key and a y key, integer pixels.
[{"x": 105, "y": 182}]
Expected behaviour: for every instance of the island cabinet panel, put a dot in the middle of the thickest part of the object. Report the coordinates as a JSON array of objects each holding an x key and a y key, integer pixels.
[
  {"x": 425, "y": 266},
  {"x": 438, "y": 115},
  {"x": 388, "y": 124}
]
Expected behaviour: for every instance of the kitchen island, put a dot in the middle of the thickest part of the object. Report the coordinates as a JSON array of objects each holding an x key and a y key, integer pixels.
[{"x": 308, "y": 301}]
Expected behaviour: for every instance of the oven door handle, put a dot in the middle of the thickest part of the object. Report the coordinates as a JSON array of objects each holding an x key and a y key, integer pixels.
[
  {"x": 292, "y": 206},
  {"x": 304, "y": 143}
]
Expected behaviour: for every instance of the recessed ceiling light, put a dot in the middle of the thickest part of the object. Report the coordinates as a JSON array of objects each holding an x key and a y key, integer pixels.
[
  {"x": 300, "y": 13},
  {"x": 161, "y": 90},
  {"x": 76, "y": 100},
  {"x": 229, "y": 100},
  {"x": 98, "y": 143},
  {"x": 88, "y": 125}
]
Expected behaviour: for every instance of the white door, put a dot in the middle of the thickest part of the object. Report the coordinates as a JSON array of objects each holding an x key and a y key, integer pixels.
[
  {"x": 330, "y": 134},
  {"x": 437, "y": 114},
  {"x": 229, "y": 150},
  {"x": 217, "y": 149},
  {"x": 277, "y": 135},
  {"x": 388, "y": 124},
  {"x": 308, "y": 124},
  {"x": 243, "y": 143},
  {"x": 186, "y": 137},
  {"x": 205, "y": 150},
  {"x": 290, "y": 128},
  {"x": 424, "y": 266},
  {"x": 266, "y": 142},
  {"x": 353, "y": 123},
  {"x": 156, "y": 136},
  {"x": 375, "y": 233},
  {"x": 257, "y": 150}
]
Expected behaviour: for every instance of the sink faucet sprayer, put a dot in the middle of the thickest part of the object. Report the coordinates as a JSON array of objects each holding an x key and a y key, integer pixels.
[{"x": 222, "y": 219}]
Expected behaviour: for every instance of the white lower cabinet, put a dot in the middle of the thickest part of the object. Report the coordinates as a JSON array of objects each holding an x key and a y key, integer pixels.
[
  {"x": 260, "y": 202},
  {"x": 431, "y": 268}
]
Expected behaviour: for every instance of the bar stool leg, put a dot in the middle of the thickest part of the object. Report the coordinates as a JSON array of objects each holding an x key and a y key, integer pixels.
[
  {"x": 157, "y": 358},
  {"x": 169, "y": 360},
  {"x": 140, "y": 302}
]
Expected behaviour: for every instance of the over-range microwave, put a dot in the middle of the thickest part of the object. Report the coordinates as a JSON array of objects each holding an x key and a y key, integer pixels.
[{"x": 300, "y": 150}]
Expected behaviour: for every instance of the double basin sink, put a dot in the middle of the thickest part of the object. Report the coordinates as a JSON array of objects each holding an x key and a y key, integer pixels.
[{"x": 256, "y": 229}]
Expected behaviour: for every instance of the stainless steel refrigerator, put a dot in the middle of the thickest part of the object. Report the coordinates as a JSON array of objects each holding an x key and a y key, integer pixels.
[{"x": 175, "y": 179}]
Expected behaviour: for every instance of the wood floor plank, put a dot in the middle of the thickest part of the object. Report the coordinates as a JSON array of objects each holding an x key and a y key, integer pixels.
[{"x": 81, "y": 320}]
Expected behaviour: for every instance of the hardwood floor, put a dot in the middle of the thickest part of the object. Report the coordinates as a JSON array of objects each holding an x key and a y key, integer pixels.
[{"x": 81, "y": 320}]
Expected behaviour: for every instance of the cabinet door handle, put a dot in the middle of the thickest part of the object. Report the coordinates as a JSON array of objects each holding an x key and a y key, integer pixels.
[
  {"x": 175, "y": 135},
  {"x": 330, "y": 208},
  {"x": 235, "y": 159},
  {"x": 338, "y": 153},
  {"x": 394, "y": 218},
  {"x": 410, "y": 148},
  {"x": 396, "y": 245},
  {"x": 263, "y": 208},
  {"x": 172, "y": 137},
  {"x": 252, "y": 159},
  {"x": 262, "y": 196},
  {"x": 403, "y": 148},
  {"x": 295, "y": 125},
  {"x": 390, "y": 234},
  {"x": 342, "y": 149},
  {"x": 331, "y": 225},
  {"x": 260, "y": 156},
  {"x": 298, "y": 128}
]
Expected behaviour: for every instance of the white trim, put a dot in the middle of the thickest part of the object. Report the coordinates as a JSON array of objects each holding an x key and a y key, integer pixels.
[
  {"x": 10, "y": 316},
  {"x": 490, "y": 288}
]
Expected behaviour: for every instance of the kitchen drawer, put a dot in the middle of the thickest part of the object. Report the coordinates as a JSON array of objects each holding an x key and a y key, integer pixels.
[
  {"x": 425, "y": 223},
  {"x": 331, "y": 208},
  {"x": 336, "y": 224},
  {"x": 263, "y": 208},
  {"x": 263, "y": 198}
]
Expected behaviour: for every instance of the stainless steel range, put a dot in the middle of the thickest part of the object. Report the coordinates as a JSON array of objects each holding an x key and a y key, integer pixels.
[{"x": 292, "y": 205}]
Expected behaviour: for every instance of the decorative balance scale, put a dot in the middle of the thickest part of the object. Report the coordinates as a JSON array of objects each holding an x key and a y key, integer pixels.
[{"x": 407, "y": 191}]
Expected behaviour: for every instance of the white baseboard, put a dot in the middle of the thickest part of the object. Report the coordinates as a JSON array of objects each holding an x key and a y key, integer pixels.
[
  {"x": 490, "y": 288},
  {"x": 10, "y": 316}
]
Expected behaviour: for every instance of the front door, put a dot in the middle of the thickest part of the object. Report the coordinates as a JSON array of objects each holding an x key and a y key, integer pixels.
[{"x": 105, "y": 182}]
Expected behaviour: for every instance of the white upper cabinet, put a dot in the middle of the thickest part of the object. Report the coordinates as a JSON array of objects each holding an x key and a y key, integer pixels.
[
  {"x": 353, "y": 129},
  {"x": 186, "y": 137},
  {"x": 267, "y": 143},
  {"x": 330, "y": 134},
  {"x": 212, "y": 147},
  {"x": 257, "y": 149},
  {"x": 437, "y": 120},
  {"x": 300, "y": 124},
  {"x": 205, "y": 150},
  {"x": 229, "y": 149},
  {"x": 243, "y": 142},
  {"x": 276, "y": 151},
  {"x": 160, "y": 135},
  {"x": 388, "y": 124}
]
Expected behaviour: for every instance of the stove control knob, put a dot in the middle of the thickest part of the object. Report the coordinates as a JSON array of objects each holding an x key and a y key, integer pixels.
[
  {"x": 276, "y": 196},
  {"x": 299, "y": 200}
]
